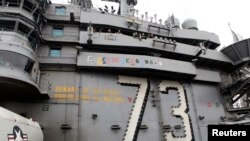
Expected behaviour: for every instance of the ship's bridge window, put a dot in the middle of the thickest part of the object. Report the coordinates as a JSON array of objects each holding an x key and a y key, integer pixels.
[
  {"x": 7, "y": 25},
  {"x": 12, "y": 3},
  {"x": 12, "y": 59},
  {"x": 55, "y": 52},
  {"x": 57, "y": 31},
  {"x": 37, "y": 16},
  {"x": 29, "y": 6},
  {"x": 60, "y": 11},
  {"x": 34, "y": 41},
  {"x": 23, "y": 29}
]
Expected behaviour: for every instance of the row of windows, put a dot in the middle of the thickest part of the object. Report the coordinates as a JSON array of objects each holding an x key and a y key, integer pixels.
[
  {"x": 5, "y": 25},
  {"x": 12, "y": 59},
  {"x": 28, "y": 6},
  {"x": 23, "y": 29},
  {"x": 10, "y": 25}
]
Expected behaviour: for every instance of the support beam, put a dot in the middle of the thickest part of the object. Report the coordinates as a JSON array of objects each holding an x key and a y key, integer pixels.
[
  {"x": 34, "y": 10},
  {"x": 16, "y": 26},
  {"x": 38, "y": 18},
  {"x": 30, "y": 32},
  {"x": 21, "y": 4},
  {"x": 240, "y": 58},
  {"x": 248, "y": 47}
]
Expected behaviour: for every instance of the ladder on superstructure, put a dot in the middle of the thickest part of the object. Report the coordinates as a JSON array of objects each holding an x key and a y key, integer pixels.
[{"x": 237, "y": 84}]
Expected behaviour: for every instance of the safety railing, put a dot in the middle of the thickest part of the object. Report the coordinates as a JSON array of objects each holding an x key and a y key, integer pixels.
[
  {"x": 239, "y": 75},
  {"x": 136, "y": 15}
]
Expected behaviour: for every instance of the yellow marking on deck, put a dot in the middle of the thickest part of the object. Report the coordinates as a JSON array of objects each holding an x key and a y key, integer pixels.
[
  {"x": 85, "y": 91},
  {"x": 65, "y": 96},
  {"x": 105, "y": 95},
  {"x": 66, "y": 89}
]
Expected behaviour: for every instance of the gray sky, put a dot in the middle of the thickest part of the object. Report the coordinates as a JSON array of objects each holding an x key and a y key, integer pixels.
[{"x": 211, "y": 15}]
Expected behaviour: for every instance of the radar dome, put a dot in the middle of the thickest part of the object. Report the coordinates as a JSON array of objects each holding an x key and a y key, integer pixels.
[{"x": 190, "y": 24}]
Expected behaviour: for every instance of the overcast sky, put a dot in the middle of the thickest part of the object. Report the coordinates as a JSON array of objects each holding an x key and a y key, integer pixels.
[{"x": 211, "y": 15}]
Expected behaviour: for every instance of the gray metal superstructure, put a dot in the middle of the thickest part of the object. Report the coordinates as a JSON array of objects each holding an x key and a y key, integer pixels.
[{"x": 87, "y": 74}]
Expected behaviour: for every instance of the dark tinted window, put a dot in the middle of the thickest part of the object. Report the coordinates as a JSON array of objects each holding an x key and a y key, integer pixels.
[
  {"x": 28, "y": 6},
  {"x": 12, "y": 59},
  {"x": 34, "y": 41},
  {"x": 7, "y": 25},
  {"x": 36, "y": 15},
  {"x": 23, "y": 29},
  {"x": 12, "y": 3}
]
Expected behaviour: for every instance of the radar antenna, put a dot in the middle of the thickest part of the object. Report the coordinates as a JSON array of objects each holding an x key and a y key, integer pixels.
[{"x": 236, "y": 37}]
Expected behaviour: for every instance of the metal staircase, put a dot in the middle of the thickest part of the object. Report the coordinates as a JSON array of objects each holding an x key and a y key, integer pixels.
[
  {"x": 241, "y": 90},
  {"x": 236, "y": 84},
  {"x": 138, "y": 106}
]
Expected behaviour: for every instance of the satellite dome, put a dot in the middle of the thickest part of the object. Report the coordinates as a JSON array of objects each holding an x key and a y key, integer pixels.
[{"x": 190, "y": 24}]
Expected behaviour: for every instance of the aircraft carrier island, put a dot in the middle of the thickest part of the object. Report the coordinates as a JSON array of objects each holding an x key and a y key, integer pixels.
[{"x": 72, "y": 72}]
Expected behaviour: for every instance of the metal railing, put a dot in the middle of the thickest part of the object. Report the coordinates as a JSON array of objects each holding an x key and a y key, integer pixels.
[
  {"x": 135, "y": 14},
  {"x": 236, "y": 76},
  {"x": 229, "y": 80},
  {"x": 6, "y": 29}
]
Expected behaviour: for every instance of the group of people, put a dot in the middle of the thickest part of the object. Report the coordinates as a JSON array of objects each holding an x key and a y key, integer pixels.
[
  {"x": 141, "y": 36},
  {"x": 138, "y": 35}
]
